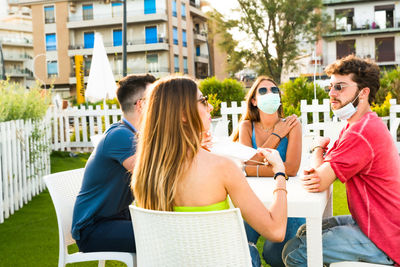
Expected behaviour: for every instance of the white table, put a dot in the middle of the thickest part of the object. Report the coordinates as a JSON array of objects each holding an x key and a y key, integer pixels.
[{"x": 312, "y": 206}]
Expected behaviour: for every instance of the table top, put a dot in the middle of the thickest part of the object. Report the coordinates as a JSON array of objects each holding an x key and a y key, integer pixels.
[{"x": 300, "y": 202}]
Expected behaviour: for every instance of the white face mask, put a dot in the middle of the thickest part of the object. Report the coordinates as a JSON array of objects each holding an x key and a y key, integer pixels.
[
  {"x": 269, "y": 103},
  {"x": 345, "y": 113}
]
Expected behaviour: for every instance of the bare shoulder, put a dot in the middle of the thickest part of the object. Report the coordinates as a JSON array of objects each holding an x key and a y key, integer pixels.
[
  {"x": 245, "y": 126},
  {"x": 219, "y": 163}
]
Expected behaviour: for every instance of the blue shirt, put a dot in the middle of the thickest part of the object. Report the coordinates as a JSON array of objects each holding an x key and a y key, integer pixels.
[
  {"x": 105, "y": 191},
  {"x": 282, "y": 147}
]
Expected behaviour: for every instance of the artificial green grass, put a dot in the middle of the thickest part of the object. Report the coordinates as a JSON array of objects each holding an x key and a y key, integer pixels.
[{"x": 30, "y": 236}]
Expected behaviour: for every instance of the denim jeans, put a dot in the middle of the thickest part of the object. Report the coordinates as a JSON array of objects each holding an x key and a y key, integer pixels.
[
  {"x": 342, "y": 240},
  {"x": 272, "y": 252}
]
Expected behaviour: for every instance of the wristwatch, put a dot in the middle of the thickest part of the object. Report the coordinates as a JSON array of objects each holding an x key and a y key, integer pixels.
[{"x": 281, "y": 173}]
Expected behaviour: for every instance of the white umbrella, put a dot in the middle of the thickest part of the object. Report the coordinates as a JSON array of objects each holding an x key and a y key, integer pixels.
[{"x": 101, "y": 82}]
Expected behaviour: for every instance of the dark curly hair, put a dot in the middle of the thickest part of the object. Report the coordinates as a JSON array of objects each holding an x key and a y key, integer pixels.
[{"x": 363, "y": 71}]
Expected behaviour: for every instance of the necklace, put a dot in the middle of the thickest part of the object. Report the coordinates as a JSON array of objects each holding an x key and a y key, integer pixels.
[{"x": 266, "y": 129}]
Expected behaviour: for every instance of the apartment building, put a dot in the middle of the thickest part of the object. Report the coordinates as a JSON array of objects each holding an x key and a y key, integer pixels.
[
  {"x": 17, "y": 48},
  {"x": 163, "y": 37},
  {"x": 368, "y": 29}
]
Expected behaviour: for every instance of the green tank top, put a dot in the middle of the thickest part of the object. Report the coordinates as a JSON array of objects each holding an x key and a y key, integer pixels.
[{"x": 223, "y": 205}]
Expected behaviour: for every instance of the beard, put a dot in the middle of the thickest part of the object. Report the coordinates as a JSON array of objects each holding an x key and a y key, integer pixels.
[{"x": 354, "y": 100}]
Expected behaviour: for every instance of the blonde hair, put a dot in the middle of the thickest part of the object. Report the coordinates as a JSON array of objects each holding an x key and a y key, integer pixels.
[
  {"x": 170, "y": 137},
  {"x": 252, "y": 114}
]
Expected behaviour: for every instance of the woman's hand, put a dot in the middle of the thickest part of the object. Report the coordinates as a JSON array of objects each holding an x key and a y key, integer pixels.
[
  {"x": 206, "y": 141},
  {"x": 283, "y": 127},
  {"x": 271, "y": 156}
]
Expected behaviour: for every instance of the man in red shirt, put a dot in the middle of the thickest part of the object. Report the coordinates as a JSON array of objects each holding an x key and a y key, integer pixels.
[{"x": 366, "y": 160}]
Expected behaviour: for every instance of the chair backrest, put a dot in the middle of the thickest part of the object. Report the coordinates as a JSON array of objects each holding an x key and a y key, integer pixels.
[
  {"x": 215, "y": 238},
  {"x": 64, "y": 188}
]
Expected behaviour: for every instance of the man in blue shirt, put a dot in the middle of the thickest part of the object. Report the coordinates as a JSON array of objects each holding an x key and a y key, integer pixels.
[{"x": 101, "y": 219}]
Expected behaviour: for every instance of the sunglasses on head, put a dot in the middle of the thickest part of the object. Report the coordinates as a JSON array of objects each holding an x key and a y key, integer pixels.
[
  {"x": 337, "y": 87},
  {"x": 264, "y": 90},
  {"x": 203, "y": 100}
]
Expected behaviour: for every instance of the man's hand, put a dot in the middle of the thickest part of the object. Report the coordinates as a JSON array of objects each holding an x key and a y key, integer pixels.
[
  {"x": 321, "y": 141},
  {"x": 311, "y": 181}
]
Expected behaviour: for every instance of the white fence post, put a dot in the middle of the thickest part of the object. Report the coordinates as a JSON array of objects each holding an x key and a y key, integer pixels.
[{"x": 394, "y": 121}]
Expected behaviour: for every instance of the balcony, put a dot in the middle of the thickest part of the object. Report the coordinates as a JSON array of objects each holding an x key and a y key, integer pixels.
[
  {"x": 136, "y": 45},
  {"x": 133, "y": 16},
  {"x": 366, "y": 28},
  {"x": 199, "y": 36},
  {"x": 19, "y": 72},
  {"x": 157, "y": 72},
  {"x": 16, "y": 41},
  {"x": 202, "y": 58},
  {"x": 16, "y": 57},
  {"x": 196, "y": 11}
]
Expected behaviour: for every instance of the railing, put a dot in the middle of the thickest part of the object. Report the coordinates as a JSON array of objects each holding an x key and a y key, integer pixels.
[
  {"x": 159, "y": 40},
  {"x": 16, "y": 40},
  {"x": 11, "y": 56},
  {"x": 109, "y": 15},
  {"x": 131, "y": 70},
  {"x": 49, "y": 20},
  {"x": 24, "y": 160},
  {"x": 18, "y": 72}
]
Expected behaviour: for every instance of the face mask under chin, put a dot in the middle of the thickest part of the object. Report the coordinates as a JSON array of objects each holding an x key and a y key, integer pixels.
[{"x": 348, "y": 110}]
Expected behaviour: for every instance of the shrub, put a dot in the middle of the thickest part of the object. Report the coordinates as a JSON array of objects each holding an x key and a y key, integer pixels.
[
  {"x": 390, "y": 82},
  {"x": 384, "y": 109},
  {"x": 226, "y": 91},
  {"x": 294, "y": 91},
  {"x": 18, "y": 103}
]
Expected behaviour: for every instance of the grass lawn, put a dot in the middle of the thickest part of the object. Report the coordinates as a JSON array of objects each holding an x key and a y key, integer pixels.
[{"x": 30, "y": 236}]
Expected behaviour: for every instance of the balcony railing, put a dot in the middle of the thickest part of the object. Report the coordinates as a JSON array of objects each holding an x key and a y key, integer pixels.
[
  {"x": 12, "y": 72},
  {"x": 130, "y": 13},
  {"x": 14, "y": 56},
  {"x": 49, "y": 20},
  {"x": 193, "y": 3},
  {"x": 16, "y": 40},
  {"x": 131, "y": 70},
  {"x": 128, "y": 42}
]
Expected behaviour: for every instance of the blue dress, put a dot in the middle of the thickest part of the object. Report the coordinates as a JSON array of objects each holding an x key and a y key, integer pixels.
[{"x": 272, "y": 251}]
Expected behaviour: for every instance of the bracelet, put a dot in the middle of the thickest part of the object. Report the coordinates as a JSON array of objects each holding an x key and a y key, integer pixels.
[
  {"x": 314, "y": 148},
  {"x": 279, "y": 188},
  {"x": 281, "y": 173},
  {"x": 277, "y": 135},
  {"x": 257, "y": 170},
  {"x": 244, "y": 169}
]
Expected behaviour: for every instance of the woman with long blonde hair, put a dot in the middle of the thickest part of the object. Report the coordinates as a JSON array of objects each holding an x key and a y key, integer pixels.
[
  {"x": 174, "y": 173},
  {"x": 263, "y": 125}
]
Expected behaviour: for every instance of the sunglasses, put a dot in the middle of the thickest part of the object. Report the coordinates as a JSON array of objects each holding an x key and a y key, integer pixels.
[
  {"x": 203, "y": 100},
  {"x": 264, "y": 90},
  {"x": 337, "y": 87}
]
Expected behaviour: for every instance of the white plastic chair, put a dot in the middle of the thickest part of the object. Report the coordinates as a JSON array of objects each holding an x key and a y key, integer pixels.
[
  {"x": 64, "y": 188},
  {"x": 355, "y": 264},
  {"x": 215, "y": 238}
]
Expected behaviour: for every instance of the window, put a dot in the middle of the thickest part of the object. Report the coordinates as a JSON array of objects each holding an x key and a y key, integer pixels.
[
  {"x": 197, "y": 50},
  {"x": 117, "y": 37},
  {"x": 51, "y": 43},
  {"x": 52, "y": 68},
  {"x": 174, "y": 13},
  {"x": 152, "y": 62},
  {"x": 175, "y": 34},
  {"x": 384, "y": 48},
  {"x": 176, "y": 63},
  {"x": 345, "y": 48},
  {"x": 149, "y": 6},
  {"x": 88, "y": 64},
  {"x": 87, "y": 12},
  {"x": 151, "y": 35},
  {"x": 88, "y": 39},
  {"x": 49, "y": 14},
  {"x": 116, "y": 9},
  {"x": 185, "y": 65},
  {"x": 183, "y": 11},
  {"x": 344, "y": 19},
  {"x": 197, "y": 28},
  {"x": 384, "y": 16},
  {"x": 184, "y": 38}
]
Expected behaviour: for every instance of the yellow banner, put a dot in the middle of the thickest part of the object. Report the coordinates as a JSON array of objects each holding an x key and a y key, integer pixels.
[{"x": 80, "y": 83}]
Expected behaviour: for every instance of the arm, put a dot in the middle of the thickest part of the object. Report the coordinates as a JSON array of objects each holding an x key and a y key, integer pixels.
[
  {"x": 129, "y": 163},
  {"x": 270, "y": 223},
  {"x": 293, "y": 156}
]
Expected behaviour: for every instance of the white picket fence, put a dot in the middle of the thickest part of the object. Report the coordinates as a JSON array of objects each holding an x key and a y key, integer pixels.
[{"x": 24, "y": 159}]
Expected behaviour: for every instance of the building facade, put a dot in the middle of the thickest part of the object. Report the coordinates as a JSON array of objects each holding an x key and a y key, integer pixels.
[
  {"x": 368, "y": 29},
  {"x": 163, "y": 37},
  {"x": 17, "y": 48}
]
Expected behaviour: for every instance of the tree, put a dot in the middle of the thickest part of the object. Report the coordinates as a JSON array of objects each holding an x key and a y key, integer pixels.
[
  {"x": 276, "y": 29},
  {"x": 218, "y": 26}
]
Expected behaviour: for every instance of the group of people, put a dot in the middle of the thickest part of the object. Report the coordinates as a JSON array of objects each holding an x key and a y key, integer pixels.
[{"x": 158, "y": 156}]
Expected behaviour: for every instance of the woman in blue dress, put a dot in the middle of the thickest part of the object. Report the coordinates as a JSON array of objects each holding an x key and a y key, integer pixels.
[{"x": 263, "y": 125}]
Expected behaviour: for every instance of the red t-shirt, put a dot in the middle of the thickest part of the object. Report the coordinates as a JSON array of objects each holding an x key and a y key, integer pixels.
[{"x": 366, "y": 160}]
